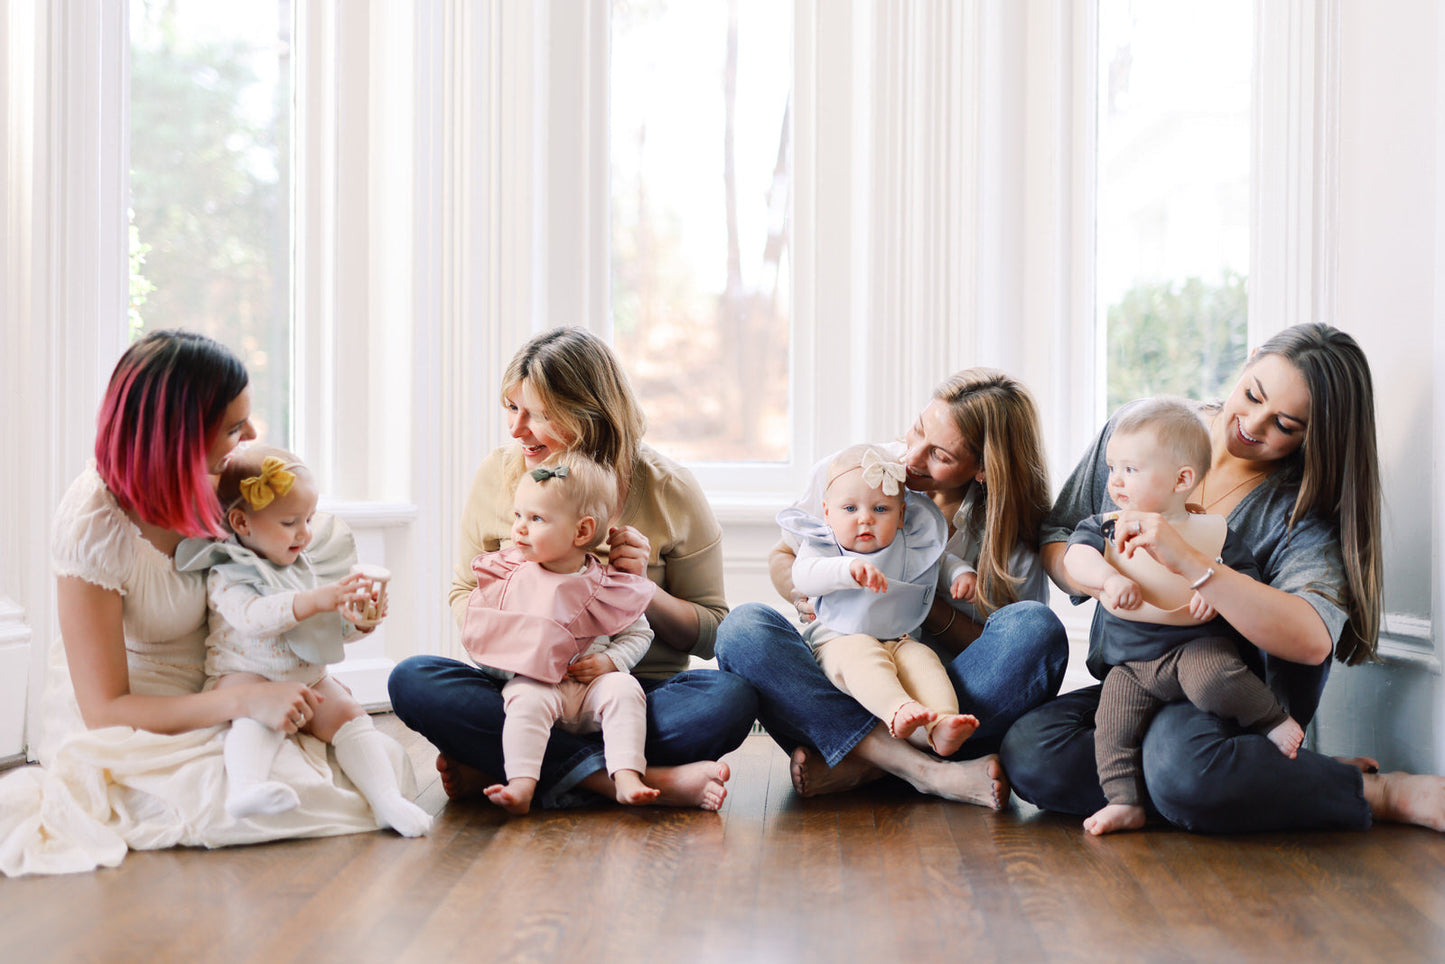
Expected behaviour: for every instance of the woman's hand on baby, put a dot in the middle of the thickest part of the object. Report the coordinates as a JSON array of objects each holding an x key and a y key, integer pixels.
[
  {"x": 284, "y": 707},
  {"x": 1120, "y": 592},
  {"x": 1200, "y": 608},
  {"x": 964, "y": 586},
  {"x": 628, "y": 550},
  {"x": 585, "y": 669},
  {"x": 867, "y": 575},
  {"x": 1151, "y": 532}
]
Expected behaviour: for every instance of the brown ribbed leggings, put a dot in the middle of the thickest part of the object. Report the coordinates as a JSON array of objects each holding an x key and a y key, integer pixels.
[{"x": 1207, "y": 672}]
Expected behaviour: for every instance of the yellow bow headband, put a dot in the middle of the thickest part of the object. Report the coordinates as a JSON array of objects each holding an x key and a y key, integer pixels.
[
  {"x": 274, "y": 481},
  {"x": 878, "y": 473}
]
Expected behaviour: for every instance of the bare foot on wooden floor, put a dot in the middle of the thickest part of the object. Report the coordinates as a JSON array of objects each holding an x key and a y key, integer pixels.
[
  {"x": 1115, "y": 817},
  {"x": 700, "y": 784},
  {"x": 1407, "y": 798},
  {"x": 460, "y": 781},
  {"x": 980, "y": 782},
  {"x": 514, "y": 796},
  {"x": 812, "y": 777},
  {"x": 632, "y": 791}
]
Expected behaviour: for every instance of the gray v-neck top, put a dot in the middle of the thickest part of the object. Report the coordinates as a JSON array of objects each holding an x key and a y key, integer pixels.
[{"x": 1304, "y": 561}]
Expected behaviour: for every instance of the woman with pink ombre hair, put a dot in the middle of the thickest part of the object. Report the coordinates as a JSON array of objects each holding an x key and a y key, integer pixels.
[{"x": 131, "y": 744}]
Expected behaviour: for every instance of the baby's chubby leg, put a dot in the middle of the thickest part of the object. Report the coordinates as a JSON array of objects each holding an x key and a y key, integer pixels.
[
  {"x": 249, "y": 750},
  {"x": 361, "y": 751}
]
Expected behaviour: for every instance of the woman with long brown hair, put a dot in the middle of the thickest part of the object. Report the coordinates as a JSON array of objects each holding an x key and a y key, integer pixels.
[
  {"x": 975, "y": 449},
  {"x": 1295, "y": 471}
]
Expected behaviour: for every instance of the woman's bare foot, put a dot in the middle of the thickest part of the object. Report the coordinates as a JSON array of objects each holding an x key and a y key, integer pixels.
[
  {"x": 1114, "y": 817},
  {"x": 514, "y": 796},
  {"x": 1364, "y": 764},
  {"x": 980, "y": 782},
  {"x": 460, "y": 781},
  {"x": 631, "y": 790},
  {"x": 950, "y": 732},
  {"x": 908, "y": 718},
  {"x": 1287, "y": 736},
  {"x": 698, "y": 784},
  {"x": 812, "y": 777},
  {"x": 1407, "y": 798}
]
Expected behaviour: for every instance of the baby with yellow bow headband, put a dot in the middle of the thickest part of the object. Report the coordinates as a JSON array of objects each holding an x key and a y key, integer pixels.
[
  {"x": 282, "y": 602},
  {"x": 871, "y": 566}
]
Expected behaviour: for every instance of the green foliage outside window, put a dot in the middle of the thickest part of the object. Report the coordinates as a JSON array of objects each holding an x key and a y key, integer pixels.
[{"x": 1179, "y": 338}]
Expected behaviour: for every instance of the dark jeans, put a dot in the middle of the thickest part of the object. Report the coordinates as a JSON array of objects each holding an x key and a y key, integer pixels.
[
  {"x": 696, "y": 715},
  {"x": 1015, "y": 665},
  {"x": 1202, "y": 773}
]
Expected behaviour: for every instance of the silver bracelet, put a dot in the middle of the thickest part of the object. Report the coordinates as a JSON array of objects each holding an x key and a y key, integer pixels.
[
  {"x": 1208, "y": 574},
  {"x": 952, "y": 615}
]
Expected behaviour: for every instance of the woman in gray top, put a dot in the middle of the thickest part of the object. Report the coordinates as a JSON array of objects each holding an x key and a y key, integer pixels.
[{"x": 1295, "y": 471}]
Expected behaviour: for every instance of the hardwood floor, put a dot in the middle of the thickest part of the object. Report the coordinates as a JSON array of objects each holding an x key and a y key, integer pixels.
[{"x": 877, "y": 874}]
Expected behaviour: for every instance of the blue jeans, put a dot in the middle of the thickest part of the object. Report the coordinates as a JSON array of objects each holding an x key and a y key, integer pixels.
[
  {"x": 1015, "y": 665},
  {"x": 1202, "y": 773},
  {"x": 696, "y": 715}
]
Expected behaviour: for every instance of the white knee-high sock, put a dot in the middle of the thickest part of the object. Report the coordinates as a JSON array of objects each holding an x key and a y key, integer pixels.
[
  {"x": 250, "y": 749},
  {"x": 361, "y": 751}
]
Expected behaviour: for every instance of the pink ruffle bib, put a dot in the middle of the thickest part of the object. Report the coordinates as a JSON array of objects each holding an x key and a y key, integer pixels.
[{"x": 531, "y": 621}]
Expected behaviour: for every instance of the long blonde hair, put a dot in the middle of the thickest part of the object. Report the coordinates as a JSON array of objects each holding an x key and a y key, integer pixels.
[
  {"x": 999, "y": 422},
  {"x": 584, "y": 391},
  {"x": 1339, "y": 468}
]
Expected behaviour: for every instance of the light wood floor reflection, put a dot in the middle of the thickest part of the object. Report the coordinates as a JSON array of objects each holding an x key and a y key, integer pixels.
[{"x": 880, "y": 874}]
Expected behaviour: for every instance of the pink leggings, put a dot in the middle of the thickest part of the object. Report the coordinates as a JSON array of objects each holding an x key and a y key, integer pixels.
[{"x": 613, "y": 703}]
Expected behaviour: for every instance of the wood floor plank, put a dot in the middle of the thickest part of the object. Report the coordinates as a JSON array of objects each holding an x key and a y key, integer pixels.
[{"x": 879, "y": 873}]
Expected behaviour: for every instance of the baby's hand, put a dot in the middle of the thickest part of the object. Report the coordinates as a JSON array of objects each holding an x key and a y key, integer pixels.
[
  {"x": 585, "y": 669},
  {"x": 1121, "y": 592},
  {"x": 964, "y": 586},
  {"x": 328, "y": 598},
  {"x": 867, "y": 575},
  {"x": 1200, "y": 608}
]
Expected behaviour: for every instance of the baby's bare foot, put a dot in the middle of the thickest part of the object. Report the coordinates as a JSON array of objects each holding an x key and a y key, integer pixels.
[
  {"x": 460, "y": 781},
  {"x": 631, "y": 790},
  {"x": 812, "y": 777},
  {"x": 1287, "y": 736},
  {"x": 980, "y": 782},
  {"x": 1407, "y": 798},
  {"x": 950, "y": 732},
  {"x": 1114, "y": 817},
  {"x": 698, "y": 784},
  {"x": 909, "y": 717},
  {"x": 515, "y": 796}
]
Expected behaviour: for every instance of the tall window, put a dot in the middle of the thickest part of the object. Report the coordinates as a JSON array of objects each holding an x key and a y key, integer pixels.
[
  {"x": 210, "y": 149},
  {"x": 701, "y": 207},
  {"x": 1173, "y": 200}
]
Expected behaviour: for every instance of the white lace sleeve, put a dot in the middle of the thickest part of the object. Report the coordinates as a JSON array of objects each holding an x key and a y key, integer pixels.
[{"x": 91, "y": 538}]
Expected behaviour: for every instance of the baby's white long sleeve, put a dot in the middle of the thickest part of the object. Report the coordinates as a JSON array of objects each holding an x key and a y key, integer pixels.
[{"x": 626, "y": 647}]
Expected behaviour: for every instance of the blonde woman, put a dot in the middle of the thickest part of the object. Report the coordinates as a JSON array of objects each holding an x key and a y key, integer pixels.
[
  {"x": 564, "y": 391},
  {"x": 1294, "y": 470},
  {"x": 975, "y": 450}
]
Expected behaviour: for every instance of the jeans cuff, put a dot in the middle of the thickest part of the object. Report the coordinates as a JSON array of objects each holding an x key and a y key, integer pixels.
[
  {"x": 835, "y": 757},
  {"x": 564, "y": 792}
]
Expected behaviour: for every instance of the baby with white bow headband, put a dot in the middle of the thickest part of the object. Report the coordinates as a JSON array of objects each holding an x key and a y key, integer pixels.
[{"x": 872, "y": 565}]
